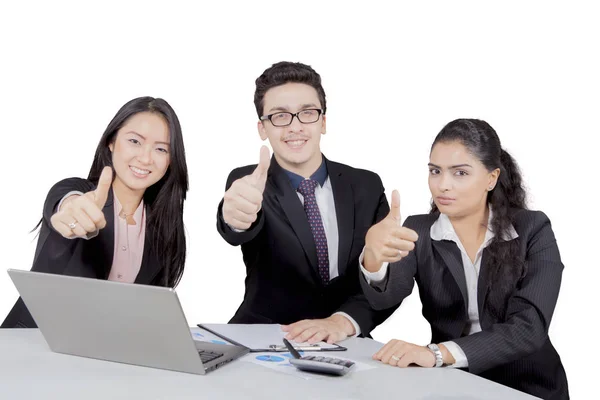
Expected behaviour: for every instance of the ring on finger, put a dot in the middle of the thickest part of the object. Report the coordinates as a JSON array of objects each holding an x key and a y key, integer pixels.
[{"x": 73, "y": 224}]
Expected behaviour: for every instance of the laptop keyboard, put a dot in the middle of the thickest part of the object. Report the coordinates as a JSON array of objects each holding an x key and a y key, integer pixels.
[{"x": 207, "y": 356}]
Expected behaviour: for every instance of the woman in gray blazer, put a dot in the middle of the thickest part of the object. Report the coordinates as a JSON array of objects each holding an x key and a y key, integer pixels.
[{"x": 488, "y": 269}]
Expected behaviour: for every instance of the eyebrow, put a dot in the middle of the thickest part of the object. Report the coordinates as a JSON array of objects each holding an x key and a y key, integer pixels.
[
  {"x": 302, "y": 107},
  {"x": 451, "y": 167},
  {"x": 137, "y": 134}
]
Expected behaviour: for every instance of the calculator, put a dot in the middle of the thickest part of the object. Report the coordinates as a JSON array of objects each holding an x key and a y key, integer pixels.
[{"x": 320, "y": 364}]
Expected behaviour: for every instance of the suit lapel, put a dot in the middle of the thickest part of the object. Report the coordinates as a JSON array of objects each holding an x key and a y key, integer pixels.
[
  {"x": 451, "y": 255},
  {"x": 483, "y": 287},
  {"x": 294, "y": 211},
  {"x": 107, "y": 236},
  {"x": 343, "y": 197},
  {"x": 150, "y": 264},
  {"x": 483, "y": 282}
]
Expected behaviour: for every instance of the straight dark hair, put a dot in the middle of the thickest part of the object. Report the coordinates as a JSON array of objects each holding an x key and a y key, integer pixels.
[
  {"x": 287, "y": 72},
  {"x": 506, "y": 199},
  {"x": 163, "y": 200}
]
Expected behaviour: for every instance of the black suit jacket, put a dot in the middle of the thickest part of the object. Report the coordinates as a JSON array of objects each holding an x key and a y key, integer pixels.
[
  {"x": 513, "y": 349},
  {"x": 79, "y": 257},
  {"x": 282, "y": 282}
]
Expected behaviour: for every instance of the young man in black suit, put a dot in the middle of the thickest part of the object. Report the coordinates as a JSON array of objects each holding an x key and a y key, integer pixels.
[{"x": 301, "y": 219}]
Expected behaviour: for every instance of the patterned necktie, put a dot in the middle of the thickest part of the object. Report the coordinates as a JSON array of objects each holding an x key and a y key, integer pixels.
[{"x": 307, "y": 189}]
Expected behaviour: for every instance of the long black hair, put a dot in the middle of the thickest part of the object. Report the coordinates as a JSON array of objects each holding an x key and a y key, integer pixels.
[
  {"x": 506, "y": 267},
  {"x": 163, "y": 200}
]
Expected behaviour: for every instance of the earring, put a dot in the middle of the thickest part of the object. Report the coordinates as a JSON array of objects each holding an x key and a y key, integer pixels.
[{"x": 490, "y": 188}]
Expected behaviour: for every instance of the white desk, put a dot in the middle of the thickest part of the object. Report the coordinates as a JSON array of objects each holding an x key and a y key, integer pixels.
[{"x": 29, "y": 370}]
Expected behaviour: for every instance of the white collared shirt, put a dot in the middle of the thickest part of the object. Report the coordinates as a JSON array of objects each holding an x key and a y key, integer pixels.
[{"x": 442, "y": 229}]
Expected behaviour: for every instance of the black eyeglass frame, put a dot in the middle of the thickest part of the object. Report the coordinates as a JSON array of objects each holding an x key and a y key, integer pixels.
[{"x": 297, "y": 115}]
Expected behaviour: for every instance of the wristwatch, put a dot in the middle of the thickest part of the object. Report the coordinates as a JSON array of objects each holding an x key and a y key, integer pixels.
[{"x": 439, "y": 359}]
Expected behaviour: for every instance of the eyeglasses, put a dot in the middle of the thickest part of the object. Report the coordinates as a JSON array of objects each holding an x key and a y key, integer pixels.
[{"x": 308, "y": 116}]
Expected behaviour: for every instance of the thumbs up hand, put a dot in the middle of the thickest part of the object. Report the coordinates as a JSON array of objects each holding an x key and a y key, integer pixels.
[
  {"x": 243, "y": 200},
  {"x": 388, "y": 241},
  {"x": 80, "y": 215},
  {"x": 100, "y": 195}
]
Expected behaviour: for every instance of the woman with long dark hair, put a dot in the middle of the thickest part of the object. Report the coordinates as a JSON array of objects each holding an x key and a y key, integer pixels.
[
  {"x": 125, "y": 221},
  {"x": 488, "y": 269}
]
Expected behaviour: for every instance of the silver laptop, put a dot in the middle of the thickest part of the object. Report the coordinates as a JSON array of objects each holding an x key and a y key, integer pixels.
[{"x": 113, "y": 321}]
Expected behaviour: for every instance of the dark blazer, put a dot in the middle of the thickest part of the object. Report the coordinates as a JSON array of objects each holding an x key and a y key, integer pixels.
[
  {"x": 79, "y": 257},
  {"x": 282, "y": 282},
  {"x": 513, "y": 349}
]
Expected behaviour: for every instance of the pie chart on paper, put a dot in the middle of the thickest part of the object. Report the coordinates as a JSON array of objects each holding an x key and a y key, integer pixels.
[{"x": 268, "y": 358}]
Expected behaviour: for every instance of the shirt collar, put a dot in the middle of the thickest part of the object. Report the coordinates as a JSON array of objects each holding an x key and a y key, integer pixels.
[
  {"x": 137, "y": 215},
  {"x": 320, "y": 176},
  {"x": 442, "y": 229}
]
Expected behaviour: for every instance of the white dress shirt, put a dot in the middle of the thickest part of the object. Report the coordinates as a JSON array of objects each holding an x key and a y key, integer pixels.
[{"x": 442, "y": 229}]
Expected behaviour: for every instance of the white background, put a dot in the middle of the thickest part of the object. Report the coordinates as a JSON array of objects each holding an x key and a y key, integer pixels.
[{"x": 394, "y": 75}]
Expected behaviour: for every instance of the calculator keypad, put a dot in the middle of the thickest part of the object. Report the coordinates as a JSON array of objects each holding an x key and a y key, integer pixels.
[{"x": 329, "y": 360}]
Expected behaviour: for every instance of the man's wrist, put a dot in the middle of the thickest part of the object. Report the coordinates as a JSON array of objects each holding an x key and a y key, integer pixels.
[
  {"x": 370, "y": 262},
  {"x": 346, "y": 326}
]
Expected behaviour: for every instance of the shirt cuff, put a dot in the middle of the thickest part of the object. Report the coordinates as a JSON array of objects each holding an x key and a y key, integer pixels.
[
  {"x": 352, "y": 321},
  {"x": 373, "y": 277},
  {"x": 460, "y": 358},
  {"x": 71, "y": 193}
]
